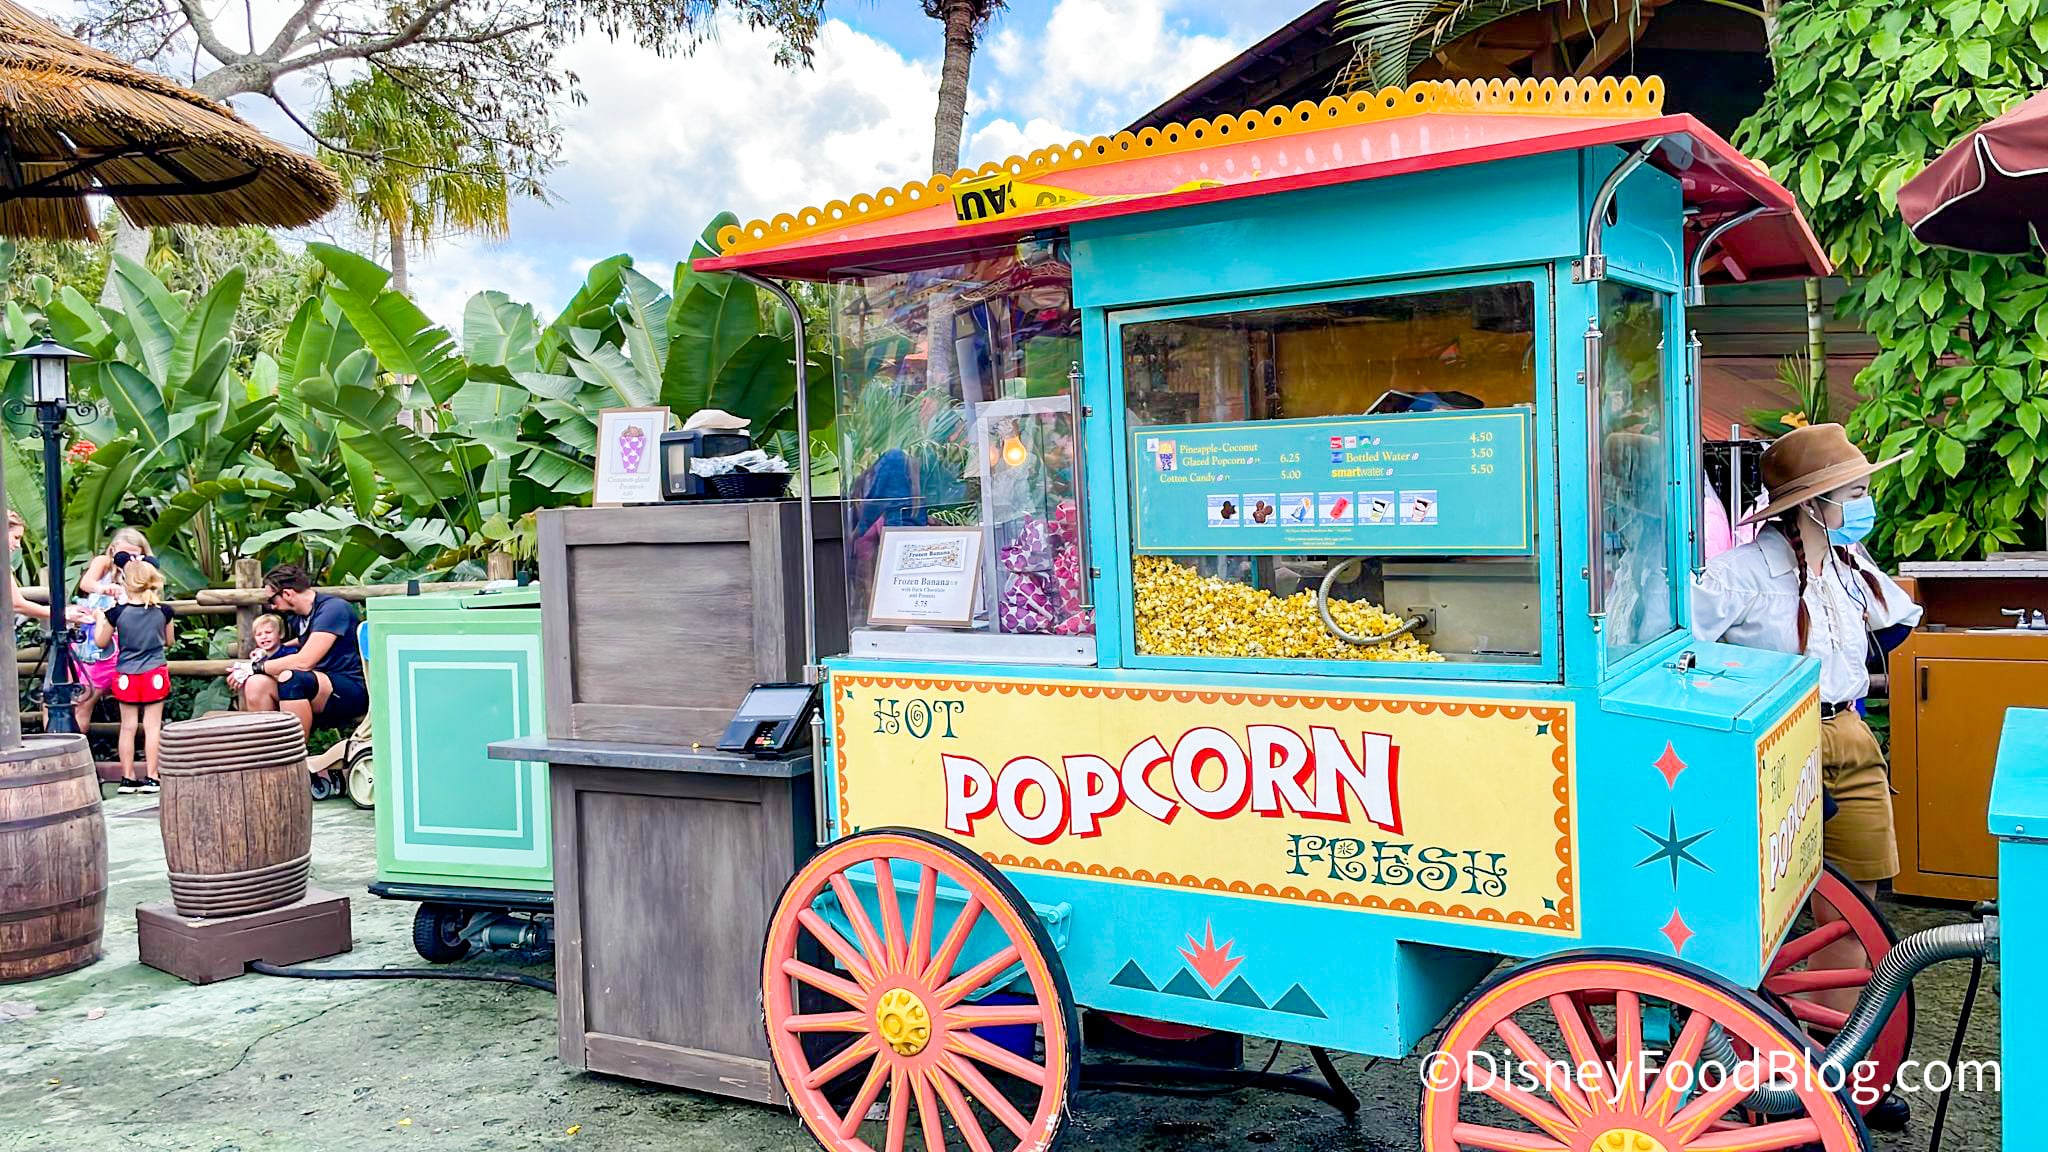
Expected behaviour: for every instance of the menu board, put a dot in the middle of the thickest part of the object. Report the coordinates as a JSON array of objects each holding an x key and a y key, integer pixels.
[{"x": 1436, "y": 483}]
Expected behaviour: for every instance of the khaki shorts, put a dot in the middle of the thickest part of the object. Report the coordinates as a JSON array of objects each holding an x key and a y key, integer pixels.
[{"x": 1859, "y": 840}]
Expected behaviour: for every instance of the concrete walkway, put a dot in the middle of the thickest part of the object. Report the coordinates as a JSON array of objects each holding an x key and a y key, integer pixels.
[{"x": 120, "y": 1056}]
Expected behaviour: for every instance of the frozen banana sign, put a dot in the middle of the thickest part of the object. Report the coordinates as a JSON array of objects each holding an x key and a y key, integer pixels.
[{"x": 1459, "y": 809}]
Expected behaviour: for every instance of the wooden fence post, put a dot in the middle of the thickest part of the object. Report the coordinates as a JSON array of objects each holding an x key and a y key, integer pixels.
[
  {"x": 248, "y": 574},
  {"x": 498, "y": 566}
]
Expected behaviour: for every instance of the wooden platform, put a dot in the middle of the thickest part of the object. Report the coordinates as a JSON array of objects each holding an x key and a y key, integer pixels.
[{"x": 204, "y": 951}]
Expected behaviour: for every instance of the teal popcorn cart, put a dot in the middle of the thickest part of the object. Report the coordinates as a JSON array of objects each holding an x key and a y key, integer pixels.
[
  {"x": 464, "y": 835},
  {"x": 1267, "y": 544}
]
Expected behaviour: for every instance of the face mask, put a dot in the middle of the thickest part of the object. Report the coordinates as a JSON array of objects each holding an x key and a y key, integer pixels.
[{"x": 1859, "y": 516}]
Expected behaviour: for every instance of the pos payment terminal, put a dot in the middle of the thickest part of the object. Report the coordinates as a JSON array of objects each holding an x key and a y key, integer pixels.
[{"x": 773, "y": 719}]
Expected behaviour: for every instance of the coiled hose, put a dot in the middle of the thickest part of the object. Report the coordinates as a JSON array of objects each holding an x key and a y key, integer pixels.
[
  {"x": 1887, "y": 987},
  {"x": 1349, "y": 568}
]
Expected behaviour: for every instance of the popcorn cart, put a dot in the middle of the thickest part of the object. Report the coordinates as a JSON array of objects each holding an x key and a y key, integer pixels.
[{"x": 1267, "y": 542}]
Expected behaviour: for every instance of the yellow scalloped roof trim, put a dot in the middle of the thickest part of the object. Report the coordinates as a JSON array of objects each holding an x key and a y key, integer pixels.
[{"x": 1606, "y": 97}]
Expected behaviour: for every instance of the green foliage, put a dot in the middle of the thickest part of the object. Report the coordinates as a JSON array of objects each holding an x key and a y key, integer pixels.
[
  {"x": 361, "y": 437},
  {"x": 1867, "y": 93}
]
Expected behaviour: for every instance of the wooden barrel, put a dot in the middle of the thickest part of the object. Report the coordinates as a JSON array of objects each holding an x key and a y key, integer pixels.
[
  {"x": 238, "y": 813},
  {"x": 53, "y": 858}
]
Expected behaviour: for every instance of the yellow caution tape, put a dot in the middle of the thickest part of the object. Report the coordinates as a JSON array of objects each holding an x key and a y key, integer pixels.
[{"x": 1000, "y": 195}]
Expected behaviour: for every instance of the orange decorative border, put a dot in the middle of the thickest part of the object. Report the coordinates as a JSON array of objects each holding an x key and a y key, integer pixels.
[
  {"x": 1628, "y": 98},
  {"x": 1771, "y": 934},
  {"x": 1557, "y": 715}
]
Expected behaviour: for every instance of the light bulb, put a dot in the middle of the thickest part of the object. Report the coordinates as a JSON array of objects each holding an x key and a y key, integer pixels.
[{"x": 1013, "y": 452}]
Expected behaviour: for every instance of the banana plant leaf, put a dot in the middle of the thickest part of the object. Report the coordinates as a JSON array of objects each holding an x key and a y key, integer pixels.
[
  {"x": 392, "y": 326},
  {"x": 415, "y": 465},
  {"x": 103, "y": 483},
  {"x": 204, "y": 336},
  {"x": 589, "y": 308},
  {"x": 153, "y": 315},
  {"x": 712, "y": 315},
  {"x": 181, "y": 508},
  {"x": 646, "y": 309},
  {"x": 500, "y": 333}
]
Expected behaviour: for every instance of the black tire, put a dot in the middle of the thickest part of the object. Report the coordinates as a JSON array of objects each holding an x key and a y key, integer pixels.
[
  {"x": 321, "y": 786},
  {"x": 437, "y": 933}
]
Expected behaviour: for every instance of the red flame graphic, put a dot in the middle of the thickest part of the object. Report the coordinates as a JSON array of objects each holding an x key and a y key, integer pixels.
[{"x": 1211, "y": 961}]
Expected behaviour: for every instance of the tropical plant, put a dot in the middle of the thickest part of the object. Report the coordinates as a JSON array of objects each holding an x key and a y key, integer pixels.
[
  {"x": 411, "y": 169},
  {"x": 1806, "y": 396},
  {"x": 1390, "y": 38},
  {"x": 172, "y": 442},
  {"x": 1866, "y": 93}
]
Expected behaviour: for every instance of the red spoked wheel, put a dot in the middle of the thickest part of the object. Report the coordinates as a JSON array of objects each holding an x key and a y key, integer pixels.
[
  {"x": 880, "y": 1021},
  {"x": 1815, "y": 969},
  {"x": 1535, "y": 1017}
]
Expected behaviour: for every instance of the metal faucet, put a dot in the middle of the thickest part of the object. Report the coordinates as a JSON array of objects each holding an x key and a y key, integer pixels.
[{"x": 2021, "y": 621}]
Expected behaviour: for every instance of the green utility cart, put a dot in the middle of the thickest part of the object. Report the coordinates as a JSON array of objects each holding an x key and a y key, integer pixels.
[{"x": 464, "y": 835}]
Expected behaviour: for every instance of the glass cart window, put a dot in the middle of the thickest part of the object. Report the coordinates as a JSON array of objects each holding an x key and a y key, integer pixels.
[
  {"x": 1377, "y": 447},
  {"x": 957, "y": 458},
  {"x": 1634, "y": 466}
]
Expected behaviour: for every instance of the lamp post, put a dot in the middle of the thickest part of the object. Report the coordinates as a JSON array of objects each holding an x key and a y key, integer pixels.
[{"x": 50, "y": 388}]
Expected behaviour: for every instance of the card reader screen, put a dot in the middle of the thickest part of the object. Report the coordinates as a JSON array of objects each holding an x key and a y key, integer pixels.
[{"x": 772, "y": 703}]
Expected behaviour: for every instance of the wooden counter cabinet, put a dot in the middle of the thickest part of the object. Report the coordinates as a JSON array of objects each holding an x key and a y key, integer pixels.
[
  {"x": 667, "y": 866},
  {"x": 656, "y": 619},
  {"x": 1950, "y": 689}
]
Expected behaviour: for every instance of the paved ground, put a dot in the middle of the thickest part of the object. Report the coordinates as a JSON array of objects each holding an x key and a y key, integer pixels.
[{"x": 119, "y": 1056}]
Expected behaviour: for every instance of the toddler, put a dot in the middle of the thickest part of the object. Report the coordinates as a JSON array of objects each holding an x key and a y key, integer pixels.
[{"x": 140, "y": 630}]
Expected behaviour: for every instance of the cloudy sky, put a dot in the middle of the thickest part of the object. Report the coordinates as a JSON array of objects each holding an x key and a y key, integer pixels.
[{"x": 662, "y": 145}]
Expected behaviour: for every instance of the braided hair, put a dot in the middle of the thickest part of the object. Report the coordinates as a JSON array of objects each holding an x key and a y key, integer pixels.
[{"x": 1787, "y": 523}]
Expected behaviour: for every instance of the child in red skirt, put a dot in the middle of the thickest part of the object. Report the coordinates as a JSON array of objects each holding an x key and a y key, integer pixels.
[{"x": 142, "y": 678}]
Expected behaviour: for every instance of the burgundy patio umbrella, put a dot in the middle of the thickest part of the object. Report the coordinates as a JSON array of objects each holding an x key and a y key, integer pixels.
[{"x": 1989, "y": 191}]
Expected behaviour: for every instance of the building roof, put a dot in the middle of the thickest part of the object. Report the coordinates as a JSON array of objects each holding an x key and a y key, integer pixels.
[
  {"x": 1426, "y": 126},
  {"x": 77, "y": 122}
]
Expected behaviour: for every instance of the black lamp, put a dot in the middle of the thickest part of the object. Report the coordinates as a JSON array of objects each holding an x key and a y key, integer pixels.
[{"x": 50, "y": 390}]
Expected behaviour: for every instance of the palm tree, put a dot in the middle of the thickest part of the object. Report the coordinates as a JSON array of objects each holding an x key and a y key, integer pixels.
[
  {"x": 412, "y": 169},
  {"x": 964, "y": 20}
]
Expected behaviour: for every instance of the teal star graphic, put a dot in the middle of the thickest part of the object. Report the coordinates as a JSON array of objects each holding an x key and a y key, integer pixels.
[
  {"x": 1543, "y": 729},
  {"x": 1674, "y": 848},
  {"x": 1549, "y": 905}
]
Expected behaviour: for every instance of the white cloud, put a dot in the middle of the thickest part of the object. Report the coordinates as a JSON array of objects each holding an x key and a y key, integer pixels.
[
  {"x": 1101, "y": 62},
  {"x": 660, "y": 145},
  {"x": 1001, "y": 139}
]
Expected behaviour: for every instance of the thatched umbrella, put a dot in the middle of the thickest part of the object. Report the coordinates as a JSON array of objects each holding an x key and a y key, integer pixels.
[{"x": 75, "y": 121}]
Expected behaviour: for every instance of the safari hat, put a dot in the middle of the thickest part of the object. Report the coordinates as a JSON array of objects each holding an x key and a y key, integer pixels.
[{"x": 1811, "y": 461}]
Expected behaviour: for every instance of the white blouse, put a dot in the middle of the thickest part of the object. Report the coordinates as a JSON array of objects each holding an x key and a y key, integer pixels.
[{"x": 1749, "y": 596}]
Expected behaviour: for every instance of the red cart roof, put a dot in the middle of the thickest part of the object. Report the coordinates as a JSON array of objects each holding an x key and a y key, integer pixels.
[{"x": 1426, "y": 126}]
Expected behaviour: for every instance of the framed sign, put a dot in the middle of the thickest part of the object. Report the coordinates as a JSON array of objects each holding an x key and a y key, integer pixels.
[
  {"x": 1437, "y": 483},
  {"x": 926, "y": 577},
  {"x": 629, "y": 456}
]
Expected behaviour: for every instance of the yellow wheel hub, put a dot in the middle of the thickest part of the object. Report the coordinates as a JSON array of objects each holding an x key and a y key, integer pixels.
[
  {"x": 904, "y": 1024},
  {"x": 1627, "y": 1140}
]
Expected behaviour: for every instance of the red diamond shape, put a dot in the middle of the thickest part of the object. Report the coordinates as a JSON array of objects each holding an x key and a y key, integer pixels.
[
  {"x": 1670, "y": 765},
  {"x": 1675, "y": 931}
]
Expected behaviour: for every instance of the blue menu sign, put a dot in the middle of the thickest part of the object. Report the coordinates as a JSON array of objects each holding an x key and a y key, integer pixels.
[{"x": 1435, "y": 483}]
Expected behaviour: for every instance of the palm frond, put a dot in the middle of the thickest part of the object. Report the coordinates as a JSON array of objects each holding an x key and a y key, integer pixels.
[{"x": 1391, "y": 38}]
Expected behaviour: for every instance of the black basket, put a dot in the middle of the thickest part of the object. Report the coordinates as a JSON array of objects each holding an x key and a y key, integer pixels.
[{"x": 747, "y": 485}]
